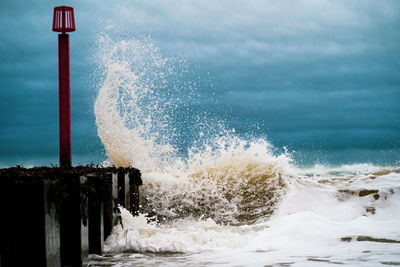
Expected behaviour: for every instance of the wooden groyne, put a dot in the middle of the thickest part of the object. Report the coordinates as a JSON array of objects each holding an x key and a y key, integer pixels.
[{"x": 57, "y": 216}]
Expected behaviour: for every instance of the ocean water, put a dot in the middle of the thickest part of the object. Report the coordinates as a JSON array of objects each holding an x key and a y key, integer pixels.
[
  {"x": 323, "y": 217},
  {"x": 214, "y": 197}
]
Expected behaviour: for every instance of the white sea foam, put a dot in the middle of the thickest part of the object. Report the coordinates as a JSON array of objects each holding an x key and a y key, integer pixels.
[
  {"x": 230, "y": 200},
  {"x": 226, "y": 178},
  {"x": 312, "y": 222}
]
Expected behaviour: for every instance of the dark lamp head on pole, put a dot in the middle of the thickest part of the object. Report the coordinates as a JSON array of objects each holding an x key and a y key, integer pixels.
[{"x": 63, "y": 19}]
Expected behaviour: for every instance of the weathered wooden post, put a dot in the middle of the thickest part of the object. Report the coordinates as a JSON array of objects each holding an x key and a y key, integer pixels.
[
  {"x": 64, "y": 21},
  {"x": 29, "y": 222},
  {"x": 135, "y": 181},
  {"x": 129, "y": 180},
  {"x": 97, "y": 189},
  {"x": 110, "y": 201},
  {"x": 74, "y": 222},
  {"x": 52, "y": 225},
  {"x": 123, "y": 188}
]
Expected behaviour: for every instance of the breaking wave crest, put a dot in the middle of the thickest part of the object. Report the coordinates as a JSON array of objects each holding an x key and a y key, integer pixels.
[
  {"x": 205, "y": 188},
  {"x": 236, "y": 183},
  {"x": 142, "y": 104},
  {"x": 129, "y": 107}
]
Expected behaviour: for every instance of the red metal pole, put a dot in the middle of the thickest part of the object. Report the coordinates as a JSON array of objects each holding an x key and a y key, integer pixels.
[{"x": 64, "y": 100}]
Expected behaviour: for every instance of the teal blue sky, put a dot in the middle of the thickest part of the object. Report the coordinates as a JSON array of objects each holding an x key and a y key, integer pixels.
[{"x": 319, "y": 77}]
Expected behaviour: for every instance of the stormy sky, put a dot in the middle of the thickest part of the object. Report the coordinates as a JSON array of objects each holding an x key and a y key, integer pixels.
[{"x": 321, "y": 77}]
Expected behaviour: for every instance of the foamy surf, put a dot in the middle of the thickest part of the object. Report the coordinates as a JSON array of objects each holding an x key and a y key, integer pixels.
[
  {"x": 340, "y": 222},
  {"x": 228, "y": 200}
]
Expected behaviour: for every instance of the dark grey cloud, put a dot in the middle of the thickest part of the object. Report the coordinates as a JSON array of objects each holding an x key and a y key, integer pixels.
[{"x": 307, "y": 72}]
